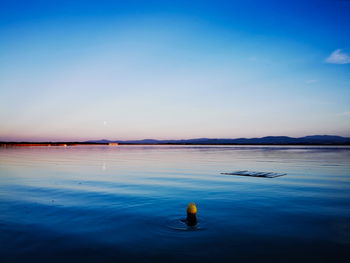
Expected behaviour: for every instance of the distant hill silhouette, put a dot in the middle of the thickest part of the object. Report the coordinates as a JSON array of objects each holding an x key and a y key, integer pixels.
[{"x": 278, "y": 140}]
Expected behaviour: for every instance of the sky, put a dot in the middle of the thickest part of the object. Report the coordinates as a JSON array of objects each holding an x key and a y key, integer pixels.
[{"x": 80, "y": 70}]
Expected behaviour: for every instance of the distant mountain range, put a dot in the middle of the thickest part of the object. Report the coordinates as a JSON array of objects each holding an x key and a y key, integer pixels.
[{"x": 309, "y": 140}]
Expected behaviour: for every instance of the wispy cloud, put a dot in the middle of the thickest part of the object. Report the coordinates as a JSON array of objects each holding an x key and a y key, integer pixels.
[{"x": 338, "y": 57}]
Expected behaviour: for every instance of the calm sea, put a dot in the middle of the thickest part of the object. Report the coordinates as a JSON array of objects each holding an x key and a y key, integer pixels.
[{"x": 125, "y": 204}]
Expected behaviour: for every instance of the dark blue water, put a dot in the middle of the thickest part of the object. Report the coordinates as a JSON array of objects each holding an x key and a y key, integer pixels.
[{"x": 120, "y": 204}]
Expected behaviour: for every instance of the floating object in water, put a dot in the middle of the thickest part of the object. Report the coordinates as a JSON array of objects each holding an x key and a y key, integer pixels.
[
  {"x": 256, "y": 174},
  {"x": 190, "y": 223},
  {"x": 191, "y": 219}
]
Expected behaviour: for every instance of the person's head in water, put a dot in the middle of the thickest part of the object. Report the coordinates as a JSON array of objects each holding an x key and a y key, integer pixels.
[{"x": 191, "y": 210}]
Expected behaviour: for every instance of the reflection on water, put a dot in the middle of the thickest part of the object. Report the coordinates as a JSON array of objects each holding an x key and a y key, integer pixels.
[
  {"x": 180, "y": 224},
  {"x": 123, "y": 204}
]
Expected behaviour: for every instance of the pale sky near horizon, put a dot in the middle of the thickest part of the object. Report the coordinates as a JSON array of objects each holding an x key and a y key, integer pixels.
[{"x": 79, "y": 70}]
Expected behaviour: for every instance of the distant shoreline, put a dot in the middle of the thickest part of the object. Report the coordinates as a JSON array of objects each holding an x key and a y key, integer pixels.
[
  {"x": 269, "y": 140},
  {"x": 71, "y": 144}
]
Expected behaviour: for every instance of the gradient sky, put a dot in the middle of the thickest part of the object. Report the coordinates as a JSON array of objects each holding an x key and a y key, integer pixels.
[{"x": 76, "y": 70}]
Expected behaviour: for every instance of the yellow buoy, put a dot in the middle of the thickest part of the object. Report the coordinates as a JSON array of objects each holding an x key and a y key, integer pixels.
[
  {"x": 191, "y": 208},
  {"x": 191, "y": 218}
]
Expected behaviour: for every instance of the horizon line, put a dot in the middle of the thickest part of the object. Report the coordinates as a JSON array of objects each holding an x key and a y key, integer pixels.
[{"x": 160, "y": 140}]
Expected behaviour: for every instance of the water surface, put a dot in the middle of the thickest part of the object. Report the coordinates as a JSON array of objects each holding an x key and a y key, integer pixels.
[{"x": 117, "y": 204}]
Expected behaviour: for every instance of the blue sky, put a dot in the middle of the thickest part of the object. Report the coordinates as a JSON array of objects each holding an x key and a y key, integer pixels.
[{"x": 76, "y": 70}]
